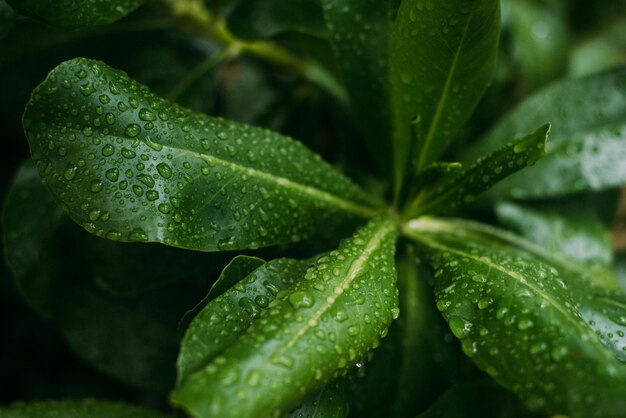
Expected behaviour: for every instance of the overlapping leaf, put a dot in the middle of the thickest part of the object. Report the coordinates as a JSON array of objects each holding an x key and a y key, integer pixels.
[
  {"x": 129, "y": 166},
  {"x": 545, "y": 331},
  {"x": 75, "y": 14},
  {"x": 311, "y": 334},
  {"x": 588, "y": 139}
]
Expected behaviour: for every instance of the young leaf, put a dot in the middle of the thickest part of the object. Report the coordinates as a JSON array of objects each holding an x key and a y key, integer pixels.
[
  {"x": 573, "y": 232},
  {"x": 461, "y": 188},
  {"x": 76, "y": 409},
  {"x": 311, "y": 334},
  {"x": 127, "y": 165},
  {"x": 442, "y": 58},
  {"x": 221, "y": 321},
  {"x": 587, "y": 145},
  {"x": 526, "y": 323},
  {"x": 75, "y": 14},
  {"x": 362, "y": 55}
]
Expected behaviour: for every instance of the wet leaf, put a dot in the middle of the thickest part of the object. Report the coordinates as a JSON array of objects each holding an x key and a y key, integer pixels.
[
  {"x": 76, "y": 409},
  {"x": 128, "y": 166},
  {"x": 539, "y": 329},
  {"x": 570, "y": 231},
  {"x": 587, "y": 142},
  {"x": 330, "y": 402},
  {"x": 311, "y": 334},
  {"x": 442, "y": 58},
  {"x": 359, "y": 32},
  {"x": 460, "y": 188},
  {"x": 75, "y": 14},
  {"x": 224, "y": 318}
]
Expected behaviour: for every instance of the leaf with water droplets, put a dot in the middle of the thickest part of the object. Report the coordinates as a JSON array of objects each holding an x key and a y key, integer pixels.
[
  {"x": 572, "y": 231},
  {"x": 462, "y": 187},
  {"x": 73, "y": 13},
  {"x": 588, "y": 140},
  {"x": 330, "y": 402},
  {"x": 312, "y": 333},
  {"x": 183, "y": 179},
  {"x": 538, "y": 328},
  {"x": 76, "y": 409},
  {"x": 219, "y": 320},
  {"x": 359, "y": 31},
  {"x": 442, "y": 58}
]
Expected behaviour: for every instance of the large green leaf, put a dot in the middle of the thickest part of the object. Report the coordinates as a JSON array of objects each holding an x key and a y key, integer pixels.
[
  {"x": 442, "y": 58},
  {"x": 546, "y": 332},
  {"x": 588, "y": 140},
  {"x": 127, "y": 165},
  {"x": 76, "y": 409},
  {"x": 75, "y": 14},
  {"x": 221, "y": 321},
  {"x": 570, "y": 231},
  {"x": 311, "y": 334},
  {"x": 359, "y": 32},
  {"x": 459, "y": 188}
]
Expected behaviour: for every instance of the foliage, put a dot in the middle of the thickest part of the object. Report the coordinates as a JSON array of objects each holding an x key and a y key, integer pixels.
[{"x": 396, "y": 208}]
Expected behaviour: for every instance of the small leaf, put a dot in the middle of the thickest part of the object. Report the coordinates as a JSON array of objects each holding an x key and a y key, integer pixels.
[
  {"x": 219, "y": 323},
  {"x": 330, "y": 402},
  {"x": 442, "y": 58},
  {"x": 362, "y": 56},
  {"x": 311, "y": 334},
  {"x": 587, "y": 146},
  {"x": 523, "y": 320},
  {"x": 76, "y": 409},
  {"x": 461, "y": 188},
  {"x": 75, "y": 14},
  {"x": 128, "y": 166},
  {"x": 567, "y": 230}
]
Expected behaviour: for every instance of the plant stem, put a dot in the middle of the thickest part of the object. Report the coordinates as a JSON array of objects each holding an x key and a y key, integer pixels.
[{"x": 194, "y": 17}]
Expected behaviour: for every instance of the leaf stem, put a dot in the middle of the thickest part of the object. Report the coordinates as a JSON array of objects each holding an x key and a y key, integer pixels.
[{"x": 195, "y": 17}]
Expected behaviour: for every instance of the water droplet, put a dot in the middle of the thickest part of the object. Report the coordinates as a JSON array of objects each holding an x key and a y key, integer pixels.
[
  {"x": 146, "y": 115},
  {"x": 301, "y": 300},
  {"x": 459, "y": 326},
  {"x": 132, "y": 130},
  {"x": 70, "y": 172},
  {"x": 96, "y": 186},
  {"x": 108, "y": 150}
]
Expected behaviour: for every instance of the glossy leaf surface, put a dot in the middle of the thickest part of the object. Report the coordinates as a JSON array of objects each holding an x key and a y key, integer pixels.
[
  {"x": 311, "y": 334},
  {"x": 539, "y": 330},
  {"x": 222, "y": 320},
  {"x": 75, "y": 14},
  {"x": 573, "y": 232},
  {"x": 461, "y": 188},
  {"x": 330, "y": 402},
  {"x": 127, "y": 165},
  {"x": 76, "y": 409},
  {"x": 587, "y": 143},
  {"x": 442, "y": 58},
  {"x": 359, "y": 32}
]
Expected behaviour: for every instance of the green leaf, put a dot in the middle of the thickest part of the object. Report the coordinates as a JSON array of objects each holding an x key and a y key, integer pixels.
[
  {"x": 473, "y": 399},
  {"x": 76, "y": 409},
  {"x": 461, "y": 187},
  {"x": 219, "y": 323},
  {"x": 587, "y": 143},
  {"x": 442, "y": 58},
  {"x": 539, "y": 41},
  {"x": 311, "y": 334},
  {"x": 330, "y": 402},
  {"x": 567, "y": 230},
  {"x": 75, "y": 14},
  {"x": 602, "y": 51},
  {"x": 260, "y": 19},
  {"x": 128, "y": 166},
  {"x": 523, "y": 320},
  {"x": 359, "y": 32},
  {"x": 239, "y": 267}
]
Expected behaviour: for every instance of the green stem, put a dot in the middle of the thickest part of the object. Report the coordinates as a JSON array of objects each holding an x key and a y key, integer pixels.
[{"x": 195, "y": 18}]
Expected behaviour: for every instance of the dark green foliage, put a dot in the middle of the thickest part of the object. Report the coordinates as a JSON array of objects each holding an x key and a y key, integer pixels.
[{"x": 241, "y": 208}]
